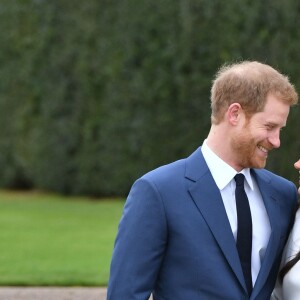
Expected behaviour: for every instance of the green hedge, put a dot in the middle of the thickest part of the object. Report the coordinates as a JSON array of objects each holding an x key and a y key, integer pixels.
[{"x": 95, "y": 93}]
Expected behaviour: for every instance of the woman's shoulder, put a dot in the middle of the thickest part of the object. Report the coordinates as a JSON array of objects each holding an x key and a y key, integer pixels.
[
  {"x": 296, "y": 227},
  {"x": 293, "y": 244}
]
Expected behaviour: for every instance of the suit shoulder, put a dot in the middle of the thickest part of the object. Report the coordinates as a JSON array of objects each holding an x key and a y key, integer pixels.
[
  {"x": 272, "y": 176},
  {"x": 278, "y": 182},
  {"x": 166, "y": 172}
]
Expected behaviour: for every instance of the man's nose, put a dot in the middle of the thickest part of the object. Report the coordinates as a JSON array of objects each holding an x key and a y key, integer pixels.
[{"x": 274, "y": 138}]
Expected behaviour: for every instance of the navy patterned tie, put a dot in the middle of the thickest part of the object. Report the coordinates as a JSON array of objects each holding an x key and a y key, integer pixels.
[{"x": 244, "y": 231}]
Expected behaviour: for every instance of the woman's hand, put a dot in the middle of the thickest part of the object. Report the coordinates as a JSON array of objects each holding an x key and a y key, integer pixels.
[{"x": 297, "y": 166}]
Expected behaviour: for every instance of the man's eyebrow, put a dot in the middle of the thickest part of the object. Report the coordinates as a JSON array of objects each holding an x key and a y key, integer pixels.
[{"x": 272, "y": 124}]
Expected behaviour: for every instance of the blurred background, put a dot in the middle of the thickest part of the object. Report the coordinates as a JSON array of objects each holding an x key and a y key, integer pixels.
[{"x": 93, "y": 94}]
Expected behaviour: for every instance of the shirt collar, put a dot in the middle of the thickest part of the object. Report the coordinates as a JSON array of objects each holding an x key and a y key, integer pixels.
[{"x": 220, "y": 170}]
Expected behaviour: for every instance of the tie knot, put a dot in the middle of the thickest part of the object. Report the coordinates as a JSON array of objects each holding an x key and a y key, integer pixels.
[{"x": 239, "y": 179}]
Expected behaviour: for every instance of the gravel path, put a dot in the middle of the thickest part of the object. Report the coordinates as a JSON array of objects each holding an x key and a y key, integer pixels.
[{"x": 52, "y": 293}]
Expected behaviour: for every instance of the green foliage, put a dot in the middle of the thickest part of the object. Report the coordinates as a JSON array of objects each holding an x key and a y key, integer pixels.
[{"x": 93, "y": 94}]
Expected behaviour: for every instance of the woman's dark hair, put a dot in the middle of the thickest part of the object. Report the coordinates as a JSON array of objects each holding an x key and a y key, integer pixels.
[
  {"x": 290, "y": 263},
  {"x": 288, "y": 266}
]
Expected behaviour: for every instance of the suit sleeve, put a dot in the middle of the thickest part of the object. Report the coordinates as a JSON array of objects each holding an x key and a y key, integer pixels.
[{"x": 140, "y": 244}]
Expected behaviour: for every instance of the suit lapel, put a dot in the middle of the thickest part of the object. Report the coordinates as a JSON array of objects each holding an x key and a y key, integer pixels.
[
  {"x": 208, "y": 200},
  {"x": 273, "y": 211}
]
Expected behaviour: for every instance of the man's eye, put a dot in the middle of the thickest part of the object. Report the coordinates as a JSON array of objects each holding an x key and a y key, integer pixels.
[{"x": 270, "y": 126}]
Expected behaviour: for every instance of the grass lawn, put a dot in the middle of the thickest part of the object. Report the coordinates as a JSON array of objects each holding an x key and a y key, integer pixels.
[{"x": 54, "y": 240}]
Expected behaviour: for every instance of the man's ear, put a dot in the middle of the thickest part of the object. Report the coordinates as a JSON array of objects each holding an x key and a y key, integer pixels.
[{"x": 233, "y": 113}]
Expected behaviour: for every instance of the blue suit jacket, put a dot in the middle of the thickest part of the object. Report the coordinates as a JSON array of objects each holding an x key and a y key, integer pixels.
[{"x": 175, "y": 240}]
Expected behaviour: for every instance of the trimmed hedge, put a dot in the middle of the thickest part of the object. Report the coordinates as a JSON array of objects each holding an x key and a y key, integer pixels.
[{"x": 93, "y": 94}]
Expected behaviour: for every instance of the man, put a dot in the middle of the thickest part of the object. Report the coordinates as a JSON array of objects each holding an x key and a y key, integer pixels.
[{"x": 178, "y": 236}]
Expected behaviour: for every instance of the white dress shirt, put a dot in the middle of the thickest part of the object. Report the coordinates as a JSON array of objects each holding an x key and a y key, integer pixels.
[
  {"x": 223, "y": 175},
  {"x": 289, "y": 289}
]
